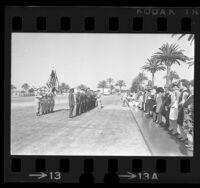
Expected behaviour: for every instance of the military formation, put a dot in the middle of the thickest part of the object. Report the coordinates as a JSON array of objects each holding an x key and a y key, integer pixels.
[
  {"x": 45, "y": 100},
  {"x": 81, "y": 101}
]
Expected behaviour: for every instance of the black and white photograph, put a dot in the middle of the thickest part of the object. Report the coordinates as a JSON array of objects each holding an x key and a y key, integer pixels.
[{"x": 102, "y": 94}]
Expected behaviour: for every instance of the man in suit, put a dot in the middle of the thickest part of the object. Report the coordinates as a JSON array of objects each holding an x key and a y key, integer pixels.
[
  {"x": 71, "y": 102},
  {"x": 78, "y": 101}
]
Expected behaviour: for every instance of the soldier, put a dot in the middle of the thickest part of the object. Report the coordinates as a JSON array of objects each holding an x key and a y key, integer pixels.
[
  {"x": 52, "y": 98},
  {"x": 93, "y": 99},
  {"x": 42, "y": 101},
  {"x": 87, "y": 100},
  {"x": 71, "y": 102},
  {"x": 99, "y": 104},
  {"x": 84, "y": 101},
  {"x": 78, "y": 101},
  {"x": 45, "y": 102},
  {"x": 38, "y": 98},
  {"x": 48, "y": 103},
  {"x": 81, "y": 101}
]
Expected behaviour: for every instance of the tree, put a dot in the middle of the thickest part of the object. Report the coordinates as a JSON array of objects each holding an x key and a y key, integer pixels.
[
  {"x": 169, "y": 55},
  {"x": 63, "y": 87},
  {"x": 173, "y": 75},
  {"x": 121, "y": 84},
  {"x": 102, "y": 84},
  {"x": 137, "y": 81},
  {"x": 83, "y": 86},
  {"x": 190, "y": 37},
  {"x": 190, "y": 62},
  {"x": 141, "y": 77},
  {"x": 110, "y": 83},
  {"x": 13, "y": 87},
  {"x": 25, "y": 87},
  {"x": 153, "y": 66},
  {"x": 31, "y": 90}
]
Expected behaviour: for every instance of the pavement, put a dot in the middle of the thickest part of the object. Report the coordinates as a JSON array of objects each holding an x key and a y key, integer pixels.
[
  {"x": 110, "y": 131},
  {"x": 160, "y": 141}
]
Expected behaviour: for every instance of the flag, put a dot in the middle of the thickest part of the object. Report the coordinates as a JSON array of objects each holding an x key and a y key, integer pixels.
[{"x": 53, "y": 81}]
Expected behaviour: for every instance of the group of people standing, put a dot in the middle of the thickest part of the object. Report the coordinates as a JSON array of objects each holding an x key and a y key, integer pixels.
[
  {"x": 81, "y": 101},
  {"x": 175, "y": 104},
  {"x": 45, "y": 100}
]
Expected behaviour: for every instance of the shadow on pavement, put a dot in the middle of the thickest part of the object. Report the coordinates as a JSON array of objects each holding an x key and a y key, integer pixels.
[{"x": 159, "y": 140}]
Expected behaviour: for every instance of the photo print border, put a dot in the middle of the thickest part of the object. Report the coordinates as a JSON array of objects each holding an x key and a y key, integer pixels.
[{"x": 100, "y": 169}]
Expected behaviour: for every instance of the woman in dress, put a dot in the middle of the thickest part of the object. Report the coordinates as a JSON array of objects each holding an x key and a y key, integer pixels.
[
  {"x": 159, "y": 100},
  {"x": 140, "y": 96},
  {"x": 173, "y": 114}
]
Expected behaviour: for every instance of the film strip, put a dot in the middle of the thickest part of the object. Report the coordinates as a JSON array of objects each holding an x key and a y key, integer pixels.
[{"x": 100, "y": 169}]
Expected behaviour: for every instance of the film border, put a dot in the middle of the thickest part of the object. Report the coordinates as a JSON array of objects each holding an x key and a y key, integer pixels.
[{"x": 51, "y": 16}]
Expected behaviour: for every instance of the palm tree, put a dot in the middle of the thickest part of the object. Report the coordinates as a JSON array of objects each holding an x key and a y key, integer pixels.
[
  {"x": 169, "y": 55},
  {"x": 110, "y": 83},
  {"x": 173, "y": 75},
  {"x": 102, "y": 84},
  {"x": 153, "y": 66},
  {"x": 137, "y": 81},
  {"x": 190, "y": 62},
  {"x": 121, "y": 84},
  {"x": 25, "y": 87},
  {"x": 190, "y": 37}
]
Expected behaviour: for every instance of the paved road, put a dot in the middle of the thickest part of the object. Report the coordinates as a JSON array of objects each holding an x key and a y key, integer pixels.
[{"x": 109, "y": 131}]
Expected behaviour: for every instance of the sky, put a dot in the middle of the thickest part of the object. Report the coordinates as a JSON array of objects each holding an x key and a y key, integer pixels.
[{"x": 81, "y": 58}]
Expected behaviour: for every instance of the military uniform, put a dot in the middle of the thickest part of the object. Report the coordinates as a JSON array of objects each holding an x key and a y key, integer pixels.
[
  {"x": 84, "y": 102},
  {"x": 52, "y": 99},
  {"x": 42, "y": 105},
  {"x": 78, "y": 103},
  {"x": 71, "y": 103},
  {"x": 81, "y": 102},
  {"x": 38, "y": 98}
]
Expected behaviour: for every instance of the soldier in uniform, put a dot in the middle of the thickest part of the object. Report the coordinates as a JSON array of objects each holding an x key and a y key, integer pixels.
[
  {"x": 53, "y": 94},
  {"x": 87, "y": 100},
  {"x": 38, "y": 98},
  {"x": 45, "y": 102},
  {"x": 81, "y": 101},
  {"x": 42, "y": 101},
  {"x": 99, "y": 104},
  {"x": 78, "y": 102},
  {"x": 48, "y": 102},
  {"x": 71, "y": 102},
  {"x": 93, "y": 99}
]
